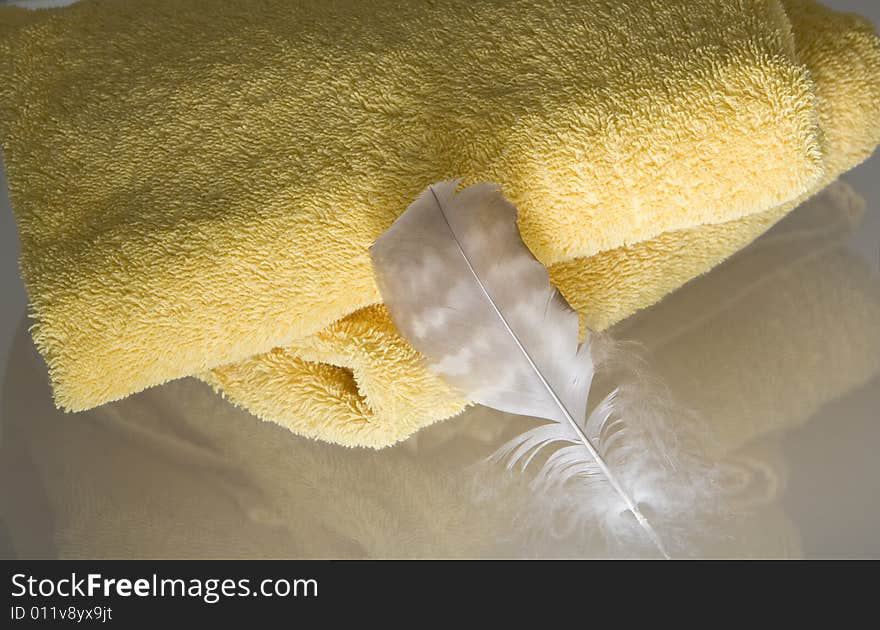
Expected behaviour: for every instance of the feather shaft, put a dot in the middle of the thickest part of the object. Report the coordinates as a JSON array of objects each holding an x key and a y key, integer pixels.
[
  {"x": 464, "y": 289},
  {"x": 597, "y": 457}
]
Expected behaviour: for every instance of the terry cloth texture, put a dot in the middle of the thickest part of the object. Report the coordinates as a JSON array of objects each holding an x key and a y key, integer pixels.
[{"x": 197, "y": 184}]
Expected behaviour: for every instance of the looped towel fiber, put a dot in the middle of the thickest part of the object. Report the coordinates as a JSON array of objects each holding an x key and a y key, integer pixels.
[{"x": 197, "y": 184}]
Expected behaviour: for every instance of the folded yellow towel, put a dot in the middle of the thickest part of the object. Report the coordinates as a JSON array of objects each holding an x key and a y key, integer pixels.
[{"x": 197, "y": 185}]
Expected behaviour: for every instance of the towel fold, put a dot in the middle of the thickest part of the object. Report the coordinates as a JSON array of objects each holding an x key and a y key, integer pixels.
[{"x": 196, "y": 186}]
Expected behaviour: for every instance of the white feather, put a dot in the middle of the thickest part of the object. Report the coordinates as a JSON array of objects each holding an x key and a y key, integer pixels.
[
  {"x": 658, "y": 451},
  {"x": 655, "y": 450},
  {"x": 463, "y": 288}
]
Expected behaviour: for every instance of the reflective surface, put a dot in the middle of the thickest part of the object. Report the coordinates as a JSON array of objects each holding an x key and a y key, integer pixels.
[{"x": 776, "y": 353}]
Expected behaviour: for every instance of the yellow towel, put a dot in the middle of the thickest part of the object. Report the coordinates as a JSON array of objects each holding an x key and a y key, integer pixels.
[{"x": 196, "y": 185}]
